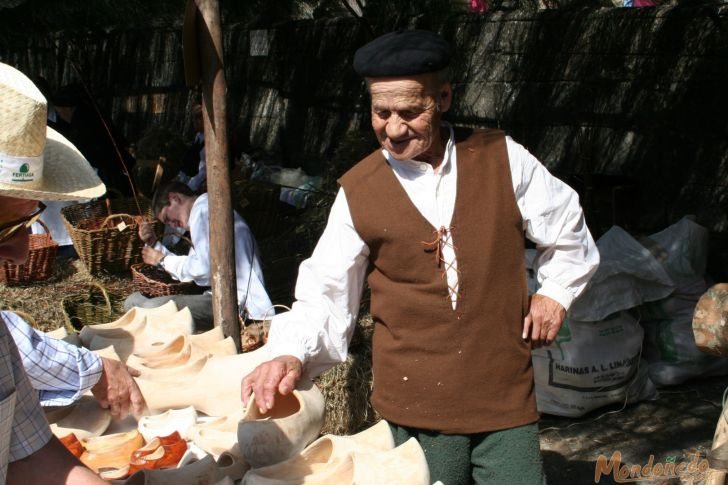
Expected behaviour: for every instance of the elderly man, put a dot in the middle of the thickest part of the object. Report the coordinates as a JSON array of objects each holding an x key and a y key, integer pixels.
[
  {"x": 436, "y": 220},
  {"x": 35, "y": 163},
  {"x": 176, "y": 205}
]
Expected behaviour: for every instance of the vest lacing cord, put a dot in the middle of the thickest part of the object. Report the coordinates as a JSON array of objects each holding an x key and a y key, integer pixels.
[{"x": 436, "y": 246}]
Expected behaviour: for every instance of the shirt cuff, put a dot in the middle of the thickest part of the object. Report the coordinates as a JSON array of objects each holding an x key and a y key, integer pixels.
[
  {"x": 557, "y": 293},
  {"x": 91, "y": 369},
  {"x": 281, "y": 344},
  {"x": 161, "y": 248}
]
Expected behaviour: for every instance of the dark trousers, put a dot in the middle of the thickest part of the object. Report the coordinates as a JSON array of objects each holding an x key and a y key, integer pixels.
[
  {"x": 506, "y": 457},
  {"x": 200, "y": 306}
]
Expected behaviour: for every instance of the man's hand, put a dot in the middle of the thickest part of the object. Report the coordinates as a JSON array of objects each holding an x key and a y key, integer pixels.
[
  {"x": 117, "y": 390},
  {"x": 151, "y": 255},
  {"x": 280, "y": 374},
  {"x": 543, "y": 321},
  {"x": 146, "y": 233}
]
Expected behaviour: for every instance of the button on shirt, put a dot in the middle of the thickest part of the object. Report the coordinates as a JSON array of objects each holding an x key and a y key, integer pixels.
[
  {"x": 195, "y": 266},
  {"x": 23, "y": 426},
  {"x": 59, "y": 371},
  {"x": 328, "y": 291}
]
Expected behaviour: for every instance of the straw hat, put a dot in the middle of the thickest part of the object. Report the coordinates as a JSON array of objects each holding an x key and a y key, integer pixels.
[{"x": 37, "y": 162}]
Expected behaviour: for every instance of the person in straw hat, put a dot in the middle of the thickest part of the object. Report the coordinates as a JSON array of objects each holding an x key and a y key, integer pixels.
[
  {"x": 435, "y": 220},
  {"x": 36, "y": 163}
]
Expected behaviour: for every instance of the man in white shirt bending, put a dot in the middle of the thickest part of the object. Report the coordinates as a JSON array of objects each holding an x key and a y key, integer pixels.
[{"x": 176, "y": 205}]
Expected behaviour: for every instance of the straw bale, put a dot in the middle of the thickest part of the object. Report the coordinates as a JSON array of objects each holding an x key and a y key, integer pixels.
[{"x": 348, "y": 386}]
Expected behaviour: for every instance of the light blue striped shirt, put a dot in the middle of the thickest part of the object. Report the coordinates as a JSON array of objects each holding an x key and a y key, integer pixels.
[
  {"x": 23, "y": 427},
  {"x": 59, "y": 371}
]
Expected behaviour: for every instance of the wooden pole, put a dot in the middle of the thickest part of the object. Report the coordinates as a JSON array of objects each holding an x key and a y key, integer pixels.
[{"x": 222, "y": 238}]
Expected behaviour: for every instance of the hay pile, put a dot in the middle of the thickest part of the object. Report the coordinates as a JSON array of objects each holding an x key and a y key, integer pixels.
[{"x": 347, "y": 386}]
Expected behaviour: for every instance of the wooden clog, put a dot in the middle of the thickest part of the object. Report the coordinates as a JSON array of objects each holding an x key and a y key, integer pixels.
[
  {"x": 133, "y": 316},
  {"x": 72, "y": 444},
  {"x": 58, "y": 334},
  {"x": 284, "y": 431},
  {"x": 128, "y": 324},
  {"x": 173, "y": 374},
  {"x": 84, "y": 418},
  {"x": 155, "y": 443},
  {"x": 168, "y": 422},
  {"x": 231, "y": 466},
  {"x": 322, "y": 453},
  {"x": 164, "y": 456},
  {"x": 404, "y": 465},
  {"x": 215, "y": 441},
  {"x": 214, "y": 390},
  {"x": 165, "y": 355},
  {"x": 111, "y": 451},
  {"x": 199, "y": 472},
  {"x": 153, "y": 331}
]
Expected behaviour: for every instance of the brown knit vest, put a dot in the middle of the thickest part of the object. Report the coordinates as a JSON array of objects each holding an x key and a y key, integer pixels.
[{"x": 454, "y": 371}]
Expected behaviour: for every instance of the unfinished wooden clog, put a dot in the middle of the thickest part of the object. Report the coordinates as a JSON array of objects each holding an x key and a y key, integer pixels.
[
  {"x": 108, "y": 353},
  {"x": 203, "y": 471},
  {"x": 134, "y": 316},
  {"x": 176, "y": 323},
  {"x": 218, "y": 435},
  {"x": 404, "y": 465},
  {"x": 111, "y": 451},
  {"x": 84, "y": 418},
  {"x": 170, "y": 374},
  {"x": 215, "y": 441},
  {"x": 170, "y": 354},
  {"x": 58, "y": 334},
  {"x": 322, "y": 453},
  {"x": 231, "y": 466},
  {"x": 274, "y": 436},
  {"x": 214, "y": 390},
  {"x": 205, "y": 339},
  {"x": 163, "y": 424}
]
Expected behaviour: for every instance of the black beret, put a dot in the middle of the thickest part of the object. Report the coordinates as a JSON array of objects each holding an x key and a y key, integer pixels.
[{"x": 402, "y": 53}]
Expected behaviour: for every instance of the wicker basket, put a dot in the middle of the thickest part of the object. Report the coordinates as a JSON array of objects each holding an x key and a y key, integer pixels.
[
  {"x": 152, "y": 282},
  {"x": 88, "y": 308},
  {"x": 107, "y": 249},
  {"x": 41, "y": 262}
]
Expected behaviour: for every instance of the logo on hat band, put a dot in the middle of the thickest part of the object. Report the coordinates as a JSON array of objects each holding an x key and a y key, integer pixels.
[{"x": 20, "y": 170}]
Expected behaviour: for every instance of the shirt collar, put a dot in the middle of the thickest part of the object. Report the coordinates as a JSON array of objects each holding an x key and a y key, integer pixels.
[{"x": 415, "y": 166}]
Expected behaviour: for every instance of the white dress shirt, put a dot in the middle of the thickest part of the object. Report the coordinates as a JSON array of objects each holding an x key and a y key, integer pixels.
[
  {"x": 328, "y": 291},
  {"x": 195, "y": 266}
]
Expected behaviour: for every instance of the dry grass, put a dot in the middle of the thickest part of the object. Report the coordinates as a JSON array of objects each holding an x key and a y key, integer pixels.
[
  {"x": 42, "y": 300},
  {"x": 348, "y": 386}
]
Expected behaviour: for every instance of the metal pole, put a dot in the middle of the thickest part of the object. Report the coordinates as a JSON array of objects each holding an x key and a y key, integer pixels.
[{"x": 222, "y": 237}]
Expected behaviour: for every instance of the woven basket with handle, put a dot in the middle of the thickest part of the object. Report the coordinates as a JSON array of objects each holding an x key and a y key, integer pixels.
[
  {"x": 151, "y": 282},
  {"x": 41, "y": 262},
  {"x": 104, "y": 233},
  {"x": 89, "y": 308}
]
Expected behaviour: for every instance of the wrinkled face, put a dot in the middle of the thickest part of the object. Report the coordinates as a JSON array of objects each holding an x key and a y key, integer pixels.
[
  {"x": 406, "y": 116},
  {"x": 15, "y": 249},
  {"x": 176, "y": 213}
]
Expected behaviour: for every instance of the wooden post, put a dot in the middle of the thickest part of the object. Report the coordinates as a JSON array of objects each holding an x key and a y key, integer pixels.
[{"x": 222, "y": 238}]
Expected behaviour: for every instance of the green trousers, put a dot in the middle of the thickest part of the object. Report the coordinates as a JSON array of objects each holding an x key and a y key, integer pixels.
[{"x": 507, "y": 457}]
